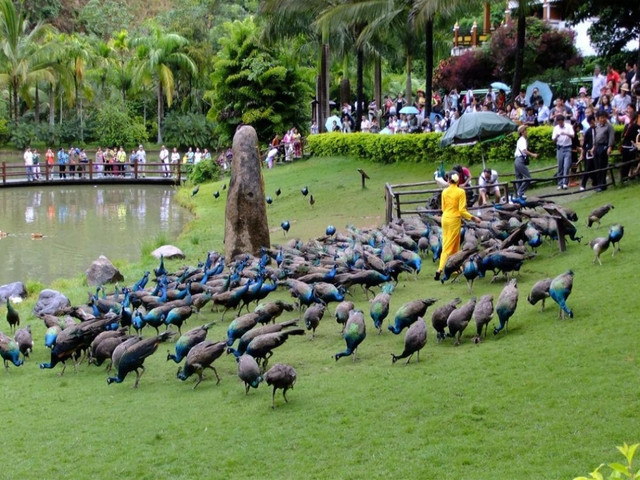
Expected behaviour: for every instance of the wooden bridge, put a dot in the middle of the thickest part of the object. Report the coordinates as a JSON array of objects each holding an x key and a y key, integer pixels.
[{"x": 153, "y": 173}]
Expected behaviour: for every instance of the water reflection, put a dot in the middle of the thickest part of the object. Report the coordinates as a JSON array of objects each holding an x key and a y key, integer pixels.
[{"x": 79, "y": 223}]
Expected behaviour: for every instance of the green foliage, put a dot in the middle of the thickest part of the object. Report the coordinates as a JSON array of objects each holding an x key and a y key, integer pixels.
[
  {"x": 185, "y": 130},
  {"x": 99, "y": 17},
  {"x": 114, "y": 126},
  {"x": 205, "y": 171},
  {"x": 23, "y": 134},
  {"x": 253, "y": 86},
  {"x": 5, "y": 133},
  {"x": 618, "y": 470}
]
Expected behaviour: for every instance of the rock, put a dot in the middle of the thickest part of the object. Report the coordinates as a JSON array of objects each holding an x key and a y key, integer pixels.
[
  {"x": 51, "y": 302},
  {"x": 102, "y": 271},
  {"x": 169, "y": 252},
  {"x": 246, "y": 227},
  {"x": 10, "y": 290}
]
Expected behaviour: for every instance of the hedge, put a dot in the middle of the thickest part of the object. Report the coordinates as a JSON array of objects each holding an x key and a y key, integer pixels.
[{"x": 424, "y": 147}]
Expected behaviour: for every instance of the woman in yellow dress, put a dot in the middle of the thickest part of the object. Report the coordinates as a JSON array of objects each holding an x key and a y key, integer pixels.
[{"x": 454, "y": 209}]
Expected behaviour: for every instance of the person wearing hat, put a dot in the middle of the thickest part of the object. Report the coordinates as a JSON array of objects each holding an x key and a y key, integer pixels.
[
  {"x": 621, "y": 101},
  {"x": 604, "y": 141},
  {"x": 562, "y": 135},
  {"x": 522, "y": 155},
  {"x": 454, "y": 209}
]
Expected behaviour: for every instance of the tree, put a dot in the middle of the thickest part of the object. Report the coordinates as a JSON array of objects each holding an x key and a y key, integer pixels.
[
  {"x": 159, "y": 54},
  {"x": 254, "y": 85},
  {"x": 23, "y": 61},
  {"x": 617, "y": 23}
]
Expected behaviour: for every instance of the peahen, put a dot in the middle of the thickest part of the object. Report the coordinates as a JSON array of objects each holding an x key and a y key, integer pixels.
[
  {"x": 186, "y": 342},
  {"x": 599, "y": 245},
  {"x": 132, "y": 357},
  {"x": 597, "y": 213},
  {"x": 13, "y": 317},
  {"x": 262, "y": 346},
  {"x": 379, "y": 306},
  {"x": 539, "y": 291},
  {"x": 459, "y": 319},
  {"x": 312, "y": 317},
  {"x": 257, "y": 331},
  {"x": 342, "y": 312},
  {"x": 104, "y": 344},
  {"x": 9, "y": 351},
  {"x": 249, "y": 372},
  {"x": 241, "y": 325},
  {"x": 25, "y": 340},
  {"x": 559, "y": 291},
  {"x": 409, "y": 313},
  {"x": 482, "y": 314},
  {"x": 268, "y": 312},
  {"x": 201, "y": 356},
  {"x": 414, "y": 341},
  {"x": 439, "y": 318},
  {"x": 355, "y": 331},
  {"x": 178, "y": 315},
  {"x": 280, "y": 376},
  {"x": 506, "y": 304}
]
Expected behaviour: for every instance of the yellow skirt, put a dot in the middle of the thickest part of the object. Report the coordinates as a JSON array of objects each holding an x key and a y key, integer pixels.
[{"x": 450, "y": 238}]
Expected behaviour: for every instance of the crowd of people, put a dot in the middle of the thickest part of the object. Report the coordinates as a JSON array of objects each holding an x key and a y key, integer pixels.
[{"x": 109, "y": 162}]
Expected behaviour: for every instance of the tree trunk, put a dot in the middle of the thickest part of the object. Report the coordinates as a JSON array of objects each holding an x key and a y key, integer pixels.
[
  {"x": 377, "y": 82},
  {"x": 359, "y": 87},
  {"x": 324, "y": 107},
  {"x": 408, "y": 94},
  {"x": 428, "y": 90},
  {"x": 517, "y": 73},
  {"x": 52, "y": 105},
  {"x": 37, "y": 105},
  {"x": 15, "y": 102},
  {"x": 345, "y": 91},
  {"x": 159, "y": 113},
  {"x": 10, "y": 106}
]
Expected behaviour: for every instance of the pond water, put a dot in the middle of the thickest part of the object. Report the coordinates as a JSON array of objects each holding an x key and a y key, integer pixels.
[{"x": 58, "y": 231}]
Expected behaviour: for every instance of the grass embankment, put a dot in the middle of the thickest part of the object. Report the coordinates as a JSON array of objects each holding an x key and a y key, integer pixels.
[{"x": 549, "y": 399}]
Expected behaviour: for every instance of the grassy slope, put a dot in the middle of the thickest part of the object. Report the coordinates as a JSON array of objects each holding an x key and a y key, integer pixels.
[{"x": 550, "y": 399}]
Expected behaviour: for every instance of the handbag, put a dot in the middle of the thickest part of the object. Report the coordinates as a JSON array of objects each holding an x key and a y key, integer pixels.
[{"x": 525, "y": 158}]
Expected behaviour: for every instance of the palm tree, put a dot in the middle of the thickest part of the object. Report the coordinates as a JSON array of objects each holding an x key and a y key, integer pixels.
[
  {"x": 22, "y": 61},
  {"x": 159, "y": 55}
]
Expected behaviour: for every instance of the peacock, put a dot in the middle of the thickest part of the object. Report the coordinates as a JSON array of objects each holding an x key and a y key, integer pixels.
[
  {"x": 132, "y": 357},
  {"x": 439, "y": 318},
  {"x": 241, "y": 325},
  {"x": 13, "y": 317},
  {"x": 559, "y": 291},
  {"x": 599, "y": 245},
  {"x": 616, "y": 232},
  {"x": 25, "y": 340},
  {"x": 597, "y": 213},
  {"x": 312, "y": 317},
  {"x": 262, "y": 346},
  {"x": 9, "y": 351},
  {"x": 178, "y": 315},
  {"x": 187, "y": 341},
  {"x": 482, "y": 315},
  {"x": 342, "y": 312},
  {"x": 104, "y": 344},
  {"x": 409, "y": 313},
  {"x": 379, "y": 306},
  {"x": 539, "y": 291},
  {"x": 201, "y": 356},
  {"x": 459, "y": 319},
  {"x": 268, "y": 312},
  {"x": 506, "y": 304},
  {"x": 414, "y": 341},
  {"x": 249, "y": 372},
  {"x": 280, "y": 376},
  {"x": 355, "y": 331}
]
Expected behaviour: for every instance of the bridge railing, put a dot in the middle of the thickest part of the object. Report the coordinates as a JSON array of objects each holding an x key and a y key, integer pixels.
[{"x": 17, "y": 172}]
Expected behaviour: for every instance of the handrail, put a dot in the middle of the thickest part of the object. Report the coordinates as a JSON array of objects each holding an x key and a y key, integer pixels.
[{"x": 15, "y": 174}]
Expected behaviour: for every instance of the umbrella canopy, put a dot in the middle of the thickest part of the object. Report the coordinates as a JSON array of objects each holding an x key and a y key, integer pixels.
[
  {"x": 477, "y": 126},
  {"x": 329, "y": 122},
  {"x": 501, "y": 86},
  {"x": 544, "y": 89},
  {"x": 409, "y": 110}
]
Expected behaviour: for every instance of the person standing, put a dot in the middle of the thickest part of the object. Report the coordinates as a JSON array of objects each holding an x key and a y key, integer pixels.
[
  {"x": 50, "y": 157},
  {"x": 629, "y": 150},
  {"x": 454, "y": 209},
  {"x": 613, "y": 77},
  {"x": 121, "y": 158},
  {"x": 598, "y": 82},
  {"x": 62, "y": 163},
  {"x": 99, "y": 162},
  {"x": 605, "y": 139},
  {"x": 521, "y": 163},
  {"x": 141, "y": 158},
  {"x": 175, "y": 158},
  {"x": 562, "y": 136},
  {"x": 588, "y": 146},
  {"x": 28, "y": 163},
  {"x": 164, "y": 159}
]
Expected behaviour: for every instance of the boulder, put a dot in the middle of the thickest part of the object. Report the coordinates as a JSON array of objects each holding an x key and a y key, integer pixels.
[
  {"x": 102, "y": 271},
  {"x": 246, "y": 226},
  {"x": 169, "y": 252},
  {"x": 51, "y": 302},
  {"x": 10, "y": 290}
]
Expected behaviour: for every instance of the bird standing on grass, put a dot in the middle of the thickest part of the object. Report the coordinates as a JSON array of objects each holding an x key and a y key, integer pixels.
[
  {"x": 482, "y": 315},
  {"x": 539, "y": 291},
  {"x": 379, "y": 308},
  {"x": 559, "y": 291},
  {"x": 13, "y": 318},
  {"x": 187, "y": 341},
  {"x": 9, "y": 351},
  {"x": 506, "y": 305},
  {"x": 355, "y": 331},
  {"x": 195, "y": 191},
  {"x": 305, "y": 191},
  {"x": 312, "y": 200},
  {"x": 459, "y": 319},
  {"x": 216, "y": 194},
  {"x": 414, "y": 341},
  {"x": 599, "y": 245},
  {"x": 201, "y": 356},
  {"x": 440, "y": 316},
  {"x": 25, "y": 340},
  {"x": 616, "y": 232},
  {"x": 342, "y": 312},
  {"x": 249, "y": 372},
  {"x": 312, "y": 317},
  {"x": 285, "y": 226},
  {"x": 597, "y": 213},
  {"x": 269, "y": 200},
  {"x": 280, "y": 376},
  {"x": 409, "y": 313}
]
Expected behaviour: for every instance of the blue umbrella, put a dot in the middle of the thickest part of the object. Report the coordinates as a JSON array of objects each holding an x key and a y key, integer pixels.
[
  {"x": 543, "y": 88},
  {"x": 501, "y": 86},
  {"x": 329, "y": 122},
  {"x": 409, "y": 110}
]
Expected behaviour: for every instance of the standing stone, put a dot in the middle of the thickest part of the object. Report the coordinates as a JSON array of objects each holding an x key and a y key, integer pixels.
[{"x": 246, "y": 227}]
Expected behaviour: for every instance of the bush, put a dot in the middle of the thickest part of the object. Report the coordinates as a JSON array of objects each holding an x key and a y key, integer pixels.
[
  {"x": 205, "y": 171},
  {"x": 5, "y": 133},
  {"x": 187, "y": 130},
  {"x": 114, "y": 126},
  {"x": 425, "y": 147},
  {"x": 23, "y": 135}
]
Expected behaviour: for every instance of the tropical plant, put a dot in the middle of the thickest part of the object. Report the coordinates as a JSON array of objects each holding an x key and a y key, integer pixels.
[
  {"x": 159, "y": 55},
  {"x": 618, "y": 470},
  {"x": 114, "y": 126},
  {"x": 184, "y": 130},
  {"x": 23, "y": 134},
  {"x": 205, "y": 171}
]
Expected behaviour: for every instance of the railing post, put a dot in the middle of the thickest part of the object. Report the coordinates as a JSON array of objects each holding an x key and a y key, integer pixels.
[
  {"x": 135, "y": 170},
  {"x": 179, "y": 172},
  {"x": 90, "y": 164},
  {"x": 388, "y": 203},
  {"x": 4, "y": 172}
]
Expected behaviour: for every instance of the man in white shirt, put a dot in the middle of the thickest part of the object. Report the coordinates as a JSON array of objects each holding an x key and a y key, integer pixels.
[
  {"x": 598, "y": 82},
  {"x": 562, "y": 136},
  {"x": 28, "y": 163},
  {"x": 488, "y": 182},
  {"x": 164, "y": 158},
  {"x": 141, "y": 158},
  {"x": 543, "y": 113}
]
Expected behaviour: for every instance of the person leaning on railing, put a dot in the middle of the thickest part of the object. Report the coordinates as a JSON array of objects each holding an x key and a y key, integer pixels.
[{"x": 521, "y": 162}]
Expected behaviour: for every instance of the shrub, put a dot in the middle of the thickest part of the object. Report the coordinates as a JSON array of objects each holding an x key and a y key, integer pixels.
[
  {"x": 187, "y": 130},
  {"x": 5, "y": 133},
  {"x": 205, "y": 171},
  {"x": 23, "y": 135},
  {"x": 618, "y": 470},
  {"x": 114, "y": 126}
]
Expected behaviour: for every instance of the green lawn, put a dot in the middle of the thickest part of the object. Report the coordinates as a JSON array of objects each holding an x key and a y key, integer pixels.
[{"x": 550, "y": 399}]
